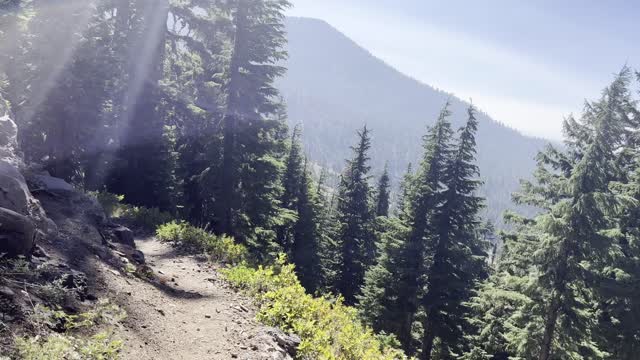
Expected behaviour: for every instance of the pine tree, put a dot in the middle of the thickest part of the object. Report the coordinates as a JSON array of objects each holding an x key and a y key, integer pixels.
[
  {"x": 457, "y": 253},
  {"x": 574, "y": 230},
  {"x": 402, "y": 208},
  {"x": 328, "y": 231},
  {"x": 191, "y": 102},
  {"x": 292, "y": 183},
  {"x": 355, "y": 217},
  {"x": 390, "y": 300},
  {"x": 306, "y": 236},
  {"x": 619, "y": 303},
  {"x": 425, "y": 195},
  {"x": 543, "y": 299},
  {"x": 379, "y": 303},
  {"x": 382, "y": 195},
  {"x": 253, "y": 133}
]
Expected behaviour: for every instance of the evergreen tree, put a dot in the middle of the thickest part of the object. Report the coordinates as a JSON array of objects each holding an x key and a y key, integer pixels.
[
  {"x": 292, "y": 183},
  {"x": 544, "y": 297},
  {"x": 355, "y": 217},
  {"x": 425, "y": 196},
  {"x": 381, "y": 293},
  {"x": 300, "y": 236},
  {"x": 382, "y": 195},
  {"x": 253, "y": 135},
  {"x": 402, "y": 209},
  {"x": 143, "y": 170},
  {"x": 328, "y": 231},
  {"x": 195, "y": 41},
  {"x": 575, "y": 235},
  {"x": 306, "y": 236},
  {"x": 393, "y": 287},
  {"x": 457, "y": 253},
  {"x": 619, "y": 303}
]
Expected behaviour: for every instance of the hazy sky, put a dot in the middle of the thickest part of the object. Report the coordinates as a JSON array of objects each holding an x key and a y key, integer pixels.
[{"x": 526, "y": 63}]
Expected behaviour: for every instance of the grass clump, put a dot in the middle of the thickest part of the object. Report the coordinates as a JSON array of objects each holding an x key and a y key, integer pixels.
[
  {"x": 79, "y": 339},
  {"x": 191, "y": 238},
  {"x": 328, "y": 328},
  {"x": 100, "y": 346}
]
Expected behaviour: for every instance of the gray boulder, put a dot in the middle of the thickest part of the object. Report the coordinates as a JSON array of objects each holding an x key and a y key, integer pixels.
[
  {"x": 17, "y": 233},
  {"x": 50, "y": 183},
  {"x": 21, "y": 215},
  {"x": 124, "y": 235},
  {"x": 273, "y": 344},
  {"x": 15, "y": 196},
  {"x": 138, "y": 256},
  {"x": 14, "y": 192}
]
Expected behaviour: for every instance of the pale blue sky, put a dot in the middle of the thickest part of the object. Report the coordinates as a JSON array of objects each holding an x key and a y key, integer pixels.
[{"x": 526, "y": 63}]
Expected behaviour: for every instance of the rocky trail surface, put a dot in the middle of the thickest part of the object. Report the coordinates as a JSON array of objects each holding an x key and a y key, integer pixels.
[
  {"x": 178, "y": 305},
  {"x": 188, "y": 312}
]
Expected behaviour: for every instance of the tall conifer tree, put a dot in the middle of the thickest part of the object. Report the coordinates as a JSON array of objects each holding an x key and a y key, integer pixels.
[
  {"x": 253, "y": 130},
  {"x": 457, "y": 254},
  {"x": 426, "y": 191},
  {"x": 547, "y": 278},
  {"x": 393, "y": 287},
  {"x": 355, "y": 217},
  {"x": 306, "y": 235},
  {"x": 383, "y": 193}
]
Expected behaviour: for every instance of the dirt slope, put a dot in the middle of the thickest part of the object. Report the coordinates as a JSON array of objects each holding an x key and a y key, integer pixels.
[{"x": 183, "y": 310}]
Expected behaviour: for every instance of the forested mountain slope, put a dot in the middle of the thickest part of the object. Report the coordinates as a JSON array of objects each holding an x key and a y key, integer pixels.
[{"x": 336, "y": 86}]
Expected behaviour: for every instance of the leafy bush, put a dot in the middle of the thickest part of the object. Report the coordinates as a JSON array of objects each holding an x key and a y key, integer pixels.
[
  {"x": 59, "y": 346},
  {"x": 328, "y": 328},
  {"x": 138, "y": 216},
  {"x": 69, "y": 345},
  {"x": 111, "y": 203},
  {"x": 144, "y": 218},
  {"x": 104, "y": 313},
  {"x": 220, "y": 248}
]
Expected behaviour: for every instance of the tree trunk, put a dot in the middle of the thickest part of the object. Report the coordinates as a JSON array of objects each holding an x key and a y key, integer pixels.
[
  {"x": 549, "y": 328},
  {"x": 551, "y": 317},
  {"x": 228, "y": 177},
  {"x": 233, "y": 115},
  {"x": 404, "y": 333},
  {"x": 429, "y": 337}
]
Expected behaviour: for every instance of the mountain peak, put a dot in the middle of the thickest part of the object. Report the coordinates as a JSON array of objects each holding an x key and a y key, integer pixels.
[{"x": 336, "y": 86}]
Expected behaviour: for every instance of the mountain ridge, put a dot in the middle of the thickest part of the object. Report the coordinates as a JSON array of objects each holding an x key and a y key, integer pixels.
[{"x": 337, "y": 86}]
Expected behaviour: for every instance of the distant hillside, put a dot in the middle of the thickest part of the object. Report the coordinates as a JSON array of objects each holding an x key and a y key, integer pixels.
[{"x": 333, "y": 86}]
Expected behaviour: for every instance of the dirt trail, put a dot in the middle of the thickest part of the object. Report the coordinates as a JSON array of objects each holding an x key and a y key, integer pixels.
[
  {"x": 184, "y": 311},
  {"x": 189, "y": 314}
]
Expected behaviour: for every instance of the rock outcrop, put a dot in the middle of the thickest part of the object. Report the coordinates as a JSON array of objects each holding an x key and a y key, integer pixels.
[
  {"x": 17, "y": 233},
  {"x": 22, "y": 218},
  {"x": 273, "y": 344},
  {"x": 8, "y": 138}
]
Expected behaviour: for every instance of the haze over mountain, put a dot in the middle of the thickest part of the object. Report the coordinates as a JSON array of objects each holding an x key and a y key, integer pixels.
[{"x": 335, "y": 87}]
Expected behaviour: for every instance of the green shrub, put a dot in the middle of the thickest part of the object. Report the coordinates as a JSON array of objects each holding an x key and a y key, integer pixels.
[
  {"x": 138, "y": 216},
  {"x": 54, "y": 346},
  {"x": 111, "y": 203},
  {"x": 73, "y": 344},
  {"x": 145, "y": 218},
  {"x": 328, "y": 328},
  {"x": 191, "y": 238},
  {"x": 101, "y": 346}
]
